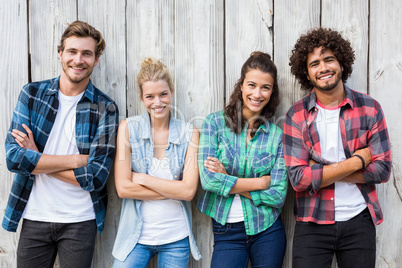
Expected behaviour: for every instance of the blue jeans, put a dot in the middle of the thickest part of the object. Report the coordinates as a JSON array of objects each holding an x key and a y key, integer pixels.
[
  {"x": 174, "y": 255},
  {"x": 233, "y": 248},
  {"x": 40, "y": 242},
  {"x": 353, "y": 242}
]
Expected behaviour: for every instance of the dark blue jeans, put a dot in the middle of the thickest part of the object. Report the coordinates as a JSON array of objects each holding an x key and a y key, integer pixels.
[
  {"x": 41, "y": 241},
  {"x": 233, "y": 248},
  {"x": 353, "y": 242}
]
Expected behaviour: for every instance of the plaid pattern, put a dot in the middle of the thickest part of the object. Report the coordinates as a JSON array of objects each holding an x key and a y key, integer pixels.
[
  {"x": 96, "y": 126},
  {"x": 362, "y": 124},
  {"x": 262, "y": 156}
]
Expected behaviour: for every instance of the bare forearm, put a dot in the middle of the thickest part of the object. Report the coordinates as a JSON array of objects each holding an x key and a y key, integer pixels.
[
  {"x": 54, "y": 163},
  {"x": 181, "y": 190},
  {"x": 136, "y": 191},
  {"x": 338, "y": 171},
  {"x": 250, "y": 184},
  {"x": 246, "y": 195},
  {"x": 355, "y": 177},
  {"x": 66, "y": 176}
]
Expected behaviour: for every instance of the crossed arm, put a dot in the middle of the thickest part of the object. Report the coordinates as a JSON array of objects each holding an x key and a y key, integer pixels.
[
  {"x": 142, "y": 186},
  {"x": 243, "y": 186},
  {"x": 58, "y": 166},
  {"x": 346, "y": 171}
]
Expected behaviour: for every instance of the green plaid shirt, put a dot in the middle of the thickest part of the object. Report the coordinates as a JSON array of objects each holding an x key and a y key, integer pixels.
[{"x": 262, "y": 156}]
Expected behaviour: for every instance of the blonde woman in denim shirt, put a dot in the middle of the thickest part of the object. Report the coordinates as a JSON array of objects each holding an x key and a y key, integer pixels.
[
  {"x": 156, "y": 174},
  {"x": 243, "y": 172}
]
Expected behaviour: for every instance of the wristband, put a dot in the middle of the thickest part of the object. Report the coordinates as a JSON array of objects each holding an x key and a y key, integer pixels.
[{"x": 363, "y": 163}]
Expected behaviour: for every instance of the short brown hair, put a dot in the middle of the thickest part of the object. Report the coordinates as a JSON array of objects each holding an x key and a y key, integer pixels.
[{"x": 83, "y": 29}]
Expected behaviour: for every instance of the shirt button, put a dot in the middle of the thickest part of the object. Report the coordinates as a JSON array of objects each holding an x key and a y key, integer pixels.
[{"x": 332, "y": 198}]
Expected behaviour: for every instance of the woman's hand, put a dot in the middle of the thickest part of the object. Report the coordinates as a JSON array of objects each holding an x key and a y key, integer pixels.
[
  {"x": 25, "y": 141},
  {"x": 213, "y": 165},
  {"x": 136, "y": 178}
]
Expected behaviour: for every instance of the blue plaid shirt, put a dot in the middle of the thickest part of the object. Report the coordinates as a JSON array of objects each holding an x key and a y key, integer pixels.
[{"x": 96, "y": 126}]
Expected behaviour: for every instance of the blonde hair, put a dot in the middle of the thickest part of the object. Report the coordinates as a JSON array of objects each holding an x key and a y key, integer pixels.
[{"x": 153, "y": 70}]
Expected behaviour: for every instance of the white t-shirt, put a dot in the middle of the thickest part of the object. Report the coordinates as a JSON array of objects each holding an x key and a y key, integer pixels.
[
  {"x": 163, "y": 220},
  {"x": 236, "y": 211},
  {"x": 51, "y": 199},
  {"x": 348, "y": 199}
]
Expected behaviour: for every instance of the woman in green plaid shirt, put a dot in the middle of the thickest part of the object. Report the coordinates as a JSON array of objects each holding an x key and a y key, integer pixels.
[{"x": 243, "y": 172}]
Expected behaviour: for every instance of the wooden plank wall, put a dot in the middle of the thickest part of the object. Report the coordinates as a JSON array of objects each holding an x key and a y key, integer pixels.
[{"x": 204, "y": 44}]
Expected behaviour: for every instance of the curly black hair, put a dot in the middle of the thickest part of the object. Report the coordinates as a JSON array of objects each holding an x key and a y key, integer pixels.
[
  {"x": 320, "y": 37},
  {"x": 234, "y": 118}
]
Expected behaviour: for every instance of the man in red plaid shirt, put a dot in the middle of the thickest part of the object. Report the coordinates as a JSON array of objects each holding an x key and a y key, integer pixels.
[{"x": 336, "y": 149}]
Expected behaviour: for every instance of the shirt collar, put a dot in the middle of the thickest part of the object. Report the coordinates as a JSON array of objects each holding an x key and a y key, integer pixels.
[
  {"x": 174, "y": 129},
  {"x": 265, "y": 127},
  {"x": 313, "y": 98},
  {"x": 89, "y": 91}
]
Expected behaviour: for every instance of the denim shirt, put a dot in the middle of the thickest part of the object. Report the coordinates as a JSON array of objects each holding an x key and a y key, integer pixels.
[{"x": 142, "y": 151}]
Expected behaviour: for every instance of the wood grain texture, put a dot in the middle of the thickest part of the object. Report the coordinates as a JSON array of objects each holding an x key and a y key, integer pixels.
[
  {"x": 248, "y": 28},
  {"x": 385, "y": 79},
  {"x": 47, "y": 21},
  {"x": 14, "y": 75},
  {"x": 149, "y": 33},
  {"x": 350, "y": 18}
]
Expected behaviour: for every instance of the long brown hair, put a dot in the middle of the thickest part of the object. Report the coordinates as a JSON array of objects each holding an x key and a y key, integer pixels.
[{"x": 234, "y": 117}]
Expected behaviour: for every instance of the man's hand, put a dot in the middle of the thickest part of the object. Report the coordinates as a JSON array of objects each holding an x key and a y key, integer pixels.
[
  {"x": 214, "y": 165},
  {"x": 25, "y": 141}
]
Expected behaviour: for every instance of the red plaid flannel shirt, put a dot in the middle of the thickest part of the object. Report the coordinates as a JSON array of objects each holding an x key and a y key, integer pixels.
[{"x": 362, "y": 124}]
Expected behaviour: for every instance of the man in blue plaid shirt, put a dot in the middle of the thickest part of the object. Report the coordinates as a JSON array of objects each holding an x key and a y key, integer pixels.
[{"x": 61, "y": 145}]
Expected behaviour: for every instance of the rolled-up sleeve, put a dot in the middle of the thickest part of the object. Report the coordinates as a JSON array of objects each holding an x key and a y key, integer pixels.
[
  {"x": 19, "y": 160},
  {"x": 302, "y": 176},
  {"x": 379, "y": 170},
  {"x": 93, "y": 177},
  {"x": 218, "y": 183},
  {"x": 275, "y": 195}
]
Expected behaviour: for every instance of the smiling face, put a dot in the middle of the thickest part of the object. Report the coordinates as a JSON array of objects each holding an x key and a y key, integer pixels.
[
  {"x": 78, "y": 59},
  {"x": 324, "y": 70},
  {"x": 157, "y": 98},
  {"x": 257, "y": 89}
]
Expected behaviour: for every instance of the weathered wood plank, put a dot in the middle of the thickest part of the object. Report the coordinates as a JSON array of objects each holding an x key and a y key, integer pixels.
[
  {"x": 13, "y": 75},
  {"x": 350, "y": 18},
  {"x": 150, "y": 33},
  {"x": 47, "y": 22},
  {"x": 110, "y": 76},
  {"x": 292, "y": 18},
  {"x": 385, "y": 72},
  {"x": 248, "y": 28},
  {"x": 199, "y": 85}
]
